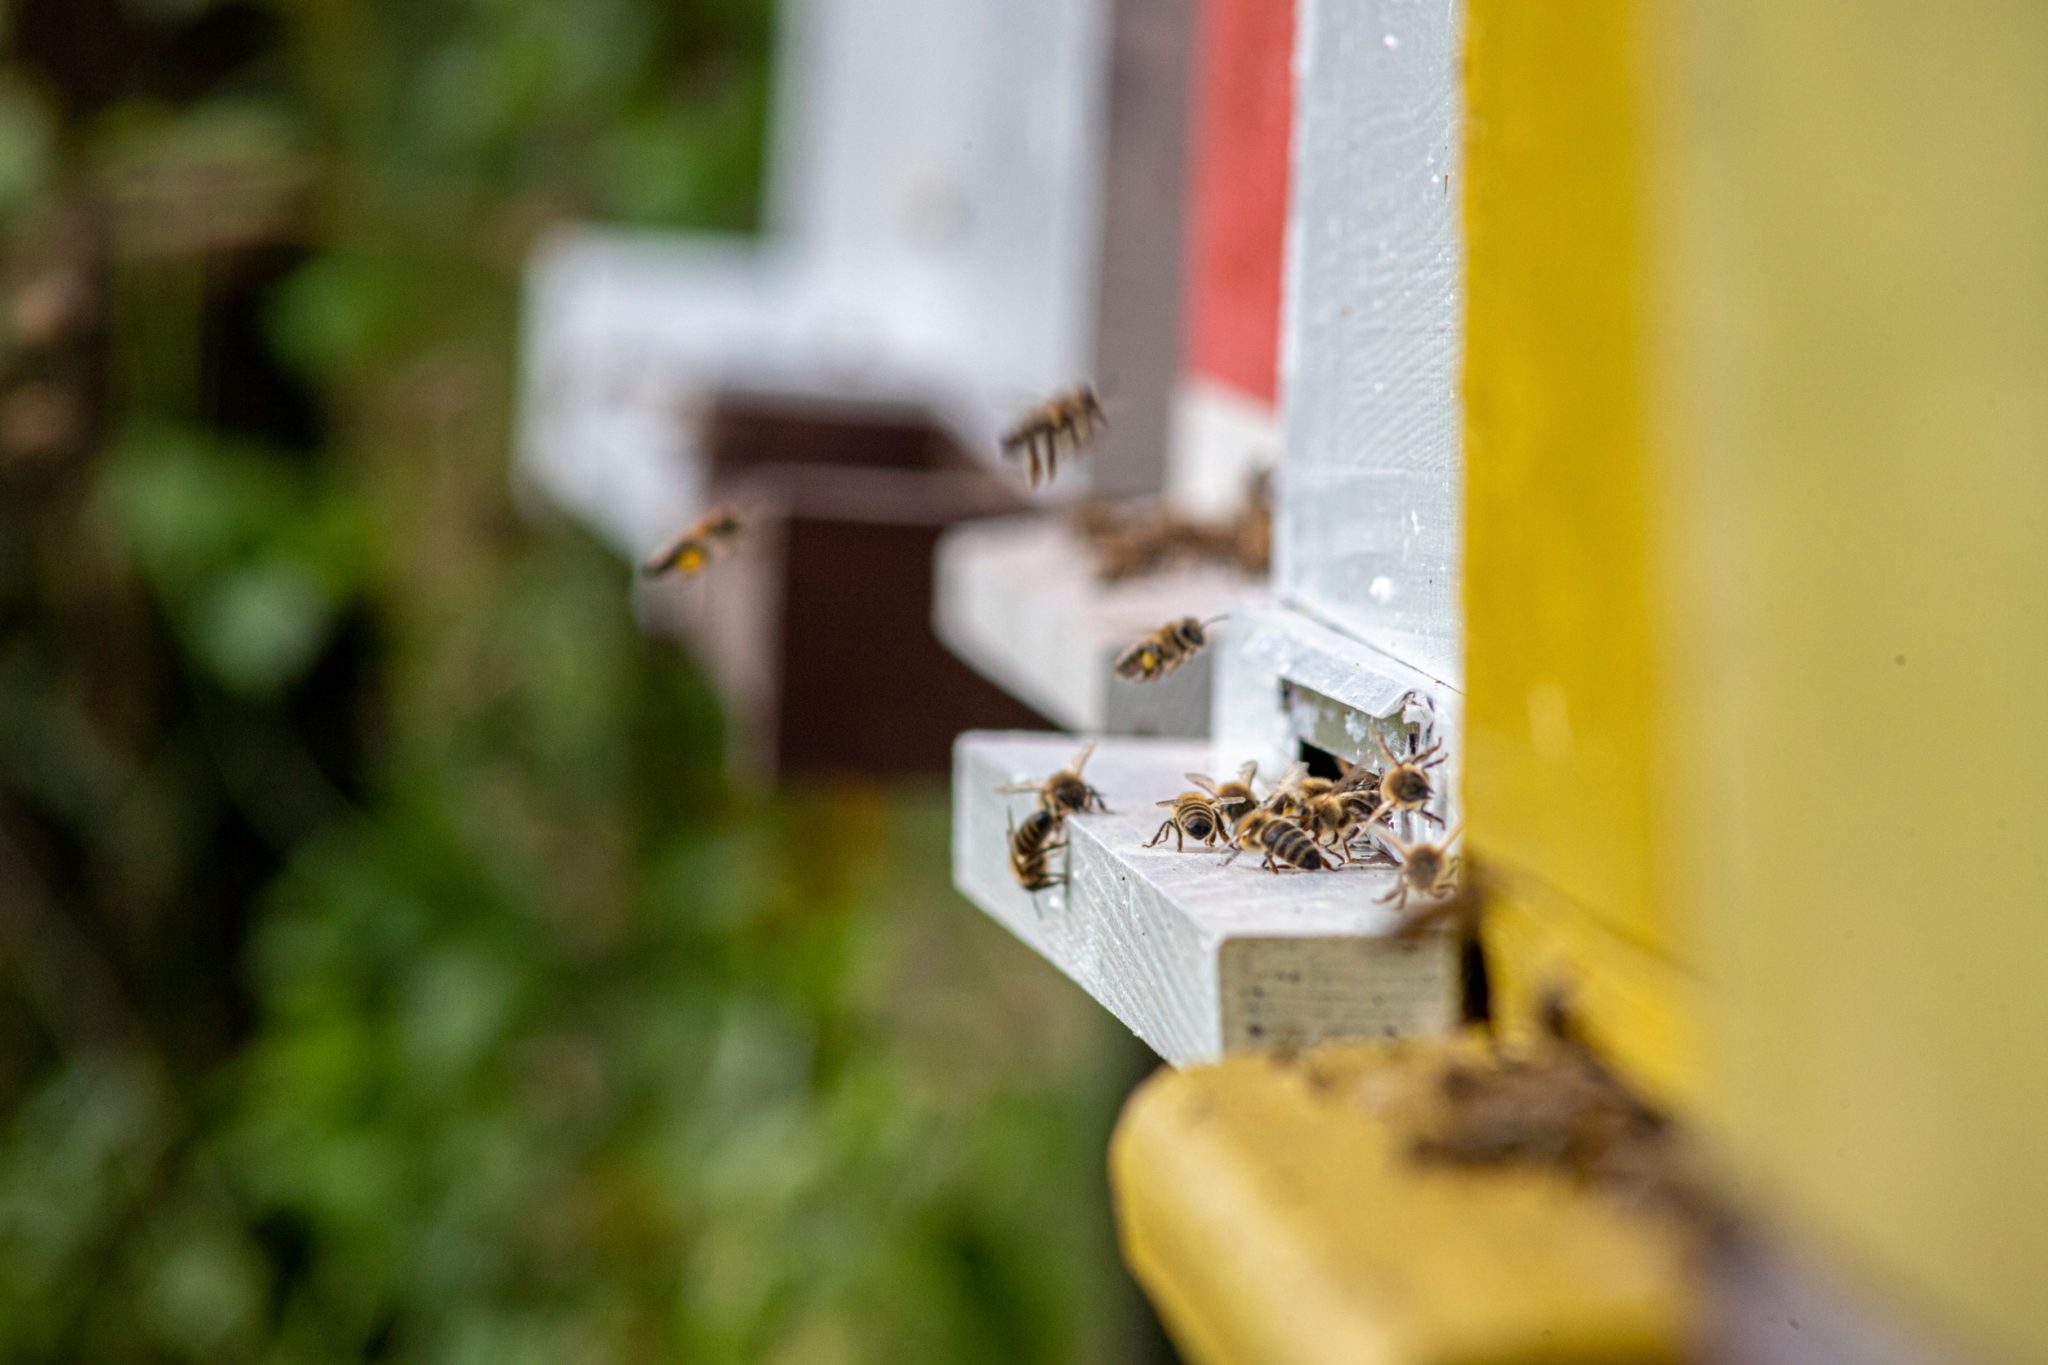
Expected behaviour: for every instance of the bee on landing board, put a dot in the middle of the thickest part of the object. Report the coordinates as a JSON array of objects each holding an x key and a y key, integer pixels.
[
  {"x": 1062, "y": 424},
  {"x": 1280, "y": 839},
  {"x": 691, "y": 550},
  {"x": 1032, "y": 845},
  {"x": 1066, "y": 792},
  {"x": 1237, "y": 794},
  {"x": 1426, "y": 870},
  {"x": 1165, "y": 649},
  {"x": 1196, "y": 815}
]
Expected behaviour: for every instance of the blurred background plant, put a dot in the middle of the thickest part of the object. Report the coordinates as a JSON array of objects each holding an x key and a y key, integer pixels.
[{"x": 389, "y": 972}]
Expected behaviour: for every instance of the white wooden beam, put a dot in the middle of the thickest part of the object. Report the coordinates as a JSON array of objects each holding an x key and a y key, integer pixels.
[
  {"x": 1370, "y": 489},
  {"x": 1196, "y": 957},
  {"x": 1018, "y": 599}
]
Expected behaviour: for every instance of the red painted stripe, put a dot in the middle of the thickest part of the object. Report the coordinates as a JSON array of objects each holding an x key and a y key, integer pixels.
[{"x": 1244, "y": 107}]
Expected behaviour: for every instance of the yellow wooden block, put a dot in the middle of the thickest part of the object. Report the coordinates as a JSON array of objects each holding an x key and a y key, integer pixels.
[
  {"x": 1635, "y": 1008},
  {"x": 1272, "y": 1213},
  {"x": 1567, "y": 775},
  {"x": 1561, "y": 658},
  {"x": 1856, "y": 223}
]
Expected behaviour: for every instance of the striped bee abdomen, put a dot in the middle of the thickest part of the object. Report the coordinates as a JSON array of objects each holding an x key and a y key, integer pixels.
[
  {"x": 1291, "y": 844},
  {"x": 1031, "y": 847},
  {"x": 1195, "y": 816},
  {"x": 1281, "y": 840}
]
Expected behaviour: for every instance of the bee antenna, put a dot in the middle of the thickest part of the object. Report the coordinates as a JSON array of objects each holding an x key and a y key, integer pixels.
[{"x": 1214, "y": 619}]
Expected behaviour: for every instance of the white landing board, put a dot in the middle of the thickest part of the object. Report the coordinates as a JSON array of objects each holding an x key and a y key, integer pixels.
[
  {"x": 1019, "y": 601},
  {"x": 1196, "y": 957}
]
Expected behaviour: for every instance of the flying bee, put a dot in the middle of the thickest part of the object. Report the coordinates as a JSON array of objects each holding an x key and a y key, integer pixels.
[
  {"x": 1165, "y": 649},
  {"x": 1237, "y": 794},
  {"x": 1065, "y": 422},
  {"x": 1065, "y": 792},
  {"x": 1405, "y": 784},
  {"x": 1426, "y": 870},
  {"x": 690, "y": 551},
  {"x": 1280, "y": 839},
  {"x": 1032, "y": 845},
  {"x": 1196, "y": 815}
]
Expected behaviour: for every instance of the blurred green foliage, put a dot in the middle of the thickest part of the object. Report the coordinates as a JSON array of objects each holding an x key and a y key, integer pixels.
[{"x": 389, "y": 972}]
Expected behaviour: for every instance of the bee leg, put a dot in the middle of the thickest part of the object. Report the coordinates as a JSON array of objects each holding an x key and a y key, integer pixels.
[
  {"x": 1095, "y": 797},
  {"x": 1430, "y": 815},
  {"x": 1161, "y": 834},
  {"x": 1399, "y": 889}
]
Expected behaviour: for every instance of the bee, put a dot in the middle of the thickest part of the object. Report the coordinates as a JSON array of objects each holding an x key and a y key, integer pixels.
[
  {"x": 1032, "y": 845},
  {"x": 1336, "y": 811},
  {"x": 1405, "y": 785},
  {"x": 1280, "y": 839},
  {"x": 1285, "y": 800},
  {"x": 1165, "y": 649},
  {"x": 1065, "y": 792},
  {"x": 1236, "y": 794},
  {"x": 1196, "y": 815},
  {"x": 1426, "y": 870},
  {"x": 690, "y": 551},
  {"x": 1066, "y": 421}
]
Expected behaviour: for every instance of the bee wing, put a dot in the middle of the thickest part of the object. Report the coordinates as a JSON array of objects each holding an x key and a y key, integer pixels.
[
  {"x": 1022, "y": 787},
  {"x": 1231, "y": 800},
  {"x": 1081, "y": 759},
  {"x": 1172, "y": 801},
  {"x": 1357, "y": 775},
  {"x": 1202, "y": 780},
  {"x": 1249, "y": 771},
  {"x": 1291, "y": 779}
]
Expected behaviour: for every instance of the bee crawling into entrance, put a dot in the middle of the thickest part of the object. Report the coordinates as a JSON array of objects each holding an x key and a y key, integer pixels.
[
  {"x": 1032, "y": 845},
  {"x": 1426, "y": 870},
  {"x": 1405, "y": 784},
  {"x": 1064, "y": 423},
  {"x": 1165, "y": 649},
  {"x": 692, "y": 549},
  {"x": 1337, "y": 810},
  {"x": 1196, "y": 815},
  {"x": 1066, "y": 792}
]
